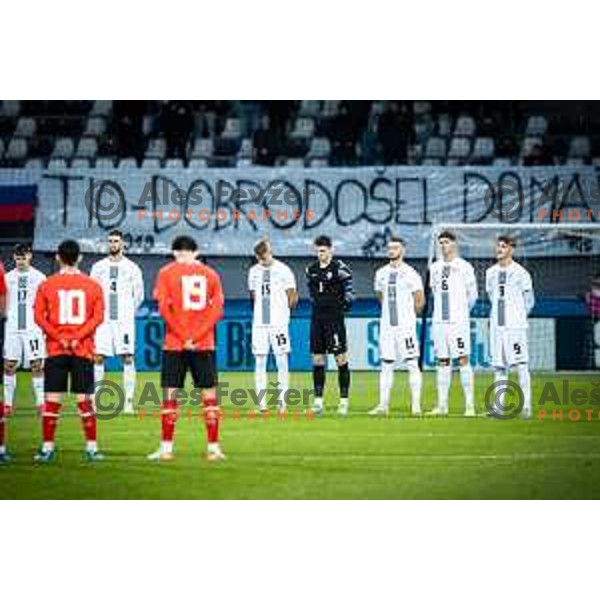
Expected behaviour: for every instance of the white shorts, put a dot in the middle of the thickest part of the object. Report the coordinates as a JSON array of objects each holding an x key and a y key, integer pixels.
[
  {"x": 115, "y": 339},
  {"x": 398, "y": 343},
  {"x": 451, "y": 340},
  {"x": 508, "y": 347},
  {"x": 24, "y": 346},
  {"x": 276, "y": 338}
]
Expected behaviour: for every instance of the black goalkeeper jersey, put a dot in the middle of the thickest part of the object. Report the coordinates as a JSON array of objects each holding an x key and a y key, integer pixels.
[{"x": 330, "y": 288}]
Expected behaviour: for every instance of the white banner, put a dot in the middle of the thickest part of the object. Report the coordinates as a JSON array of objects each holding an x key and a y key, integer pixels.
[{"x": 227, "y": 210}]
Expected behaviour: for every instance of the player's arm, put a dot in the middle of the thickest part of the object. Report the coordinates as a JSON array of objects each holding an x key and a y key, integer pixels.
[
  {"x": 313, "y": 284},
  {"x": 419, "y": 298},
  {"x": 417, "y": 290},
  {"x": 162, "y": 295},
  {"x": 96, "y": 297},
  {"x": 251, "y": 285},
  {"x": 41, "y": 313},
  {"x": 292, "y": 296},
  {"x": 528, "y": 295},
  {"x": 2, "y": 292},
  {"x": 378, "y": 285},
  {"x": 214, "y": 311},
  {"x": 471, "y": 285},
  {"x": 345, "y": 279},
  {"x": 138, "y": 287},
  {"x": 291, "y": 291}
]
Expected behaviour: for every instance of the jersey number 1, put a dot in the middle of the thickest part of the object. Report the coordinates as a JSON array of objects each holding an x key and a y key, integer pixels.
[
  {"x": 71, "y": 307},
  {"x": 193, "y": 289}
]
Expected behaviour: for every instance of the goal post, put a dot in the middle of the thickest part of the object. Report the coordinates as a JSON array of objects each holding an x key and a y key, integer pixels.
[{"x": 563, "y": 259}]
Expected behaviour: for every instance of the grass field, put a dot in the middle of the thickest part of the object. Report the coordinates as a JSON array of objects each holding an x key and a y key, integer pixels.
[{"x": 357, "y": 457}]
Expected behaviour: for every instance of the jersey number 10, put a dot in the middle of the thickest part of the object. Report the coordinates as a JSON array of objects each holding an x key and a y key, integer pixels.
[{"x": 71, "y": 307}]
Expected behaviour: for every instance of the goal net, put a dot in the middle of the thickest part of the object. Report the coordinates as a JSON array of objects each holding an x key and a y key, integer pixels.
[{"x": 564, "y": 263}]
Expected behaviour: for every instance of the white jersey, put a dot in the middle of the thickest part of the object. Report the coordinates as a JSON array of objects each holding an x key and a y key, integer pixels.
[
  {"x": 270, "y": 285},
  {"x": 506, "y": 288},
  {"x": 21, "y": 290},
  {"x": 123, "y": 286},
  {"x": 454, "y": 290},
  {"x": 397, "y": 286}
]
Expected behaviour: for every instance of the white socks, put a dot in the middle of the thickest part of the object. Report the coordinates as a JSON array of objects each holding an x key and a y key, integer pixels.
[
  {"x": 415, "y": 379},
  {"x": 525, "y": 383},
  {"x": 444, "y": 376},
  {"x": 283, "y": 377},
  {"x": 129, "y": 380},
  {"x": 10, "y": 384},
  {"x": 98, "y": 372},
  {"x": 260, "y": 378},
  {"x": 466, "y": 380},
  {"x": 386, "y": 381},
  {"x": 38, "y": 390}
]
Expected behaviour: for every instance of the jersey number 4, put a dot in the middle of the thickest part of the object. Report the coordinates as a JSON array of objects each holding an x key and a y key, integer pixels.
[
  {"x": 71, "y": 307},
  {"x": 193, "y": 288}
]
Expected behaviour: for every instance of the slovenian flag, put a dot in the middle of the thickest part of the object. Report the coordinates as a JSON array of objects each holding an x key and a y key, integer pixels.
[{"x": 17, "y": 202}]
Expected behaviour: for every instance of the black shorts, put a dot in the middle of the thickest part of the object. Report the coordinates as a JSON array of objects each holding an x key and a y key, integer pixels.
[
  {"x": 175, "y": 365},
  {"x": 328, "y": 337},
  {"x": 58, "y": 368}
]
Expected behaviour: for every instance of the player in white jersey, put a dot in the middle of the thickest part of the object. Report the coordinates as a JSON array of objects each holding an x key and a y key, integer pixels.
[
  {"x": 454, "y": 287},
  {"x": 24, "y": 343},
  {"x": 272, "y": 287},
  {"x": 509, "y": 287},
  {"x": 123, "y": 286},
  {"x": 399, "y": 289}
]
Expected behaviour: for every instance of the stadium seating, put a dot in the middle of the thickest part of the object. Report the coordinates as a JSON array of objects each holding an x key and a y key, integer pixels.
[{"x": 309, "y": 132}]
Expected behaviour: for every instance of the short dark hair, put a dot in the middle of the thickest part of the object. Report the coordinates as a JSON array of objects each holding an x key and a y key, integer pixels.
[
  {"x": 21, "y": 249},
  {"x": 68, "y": 252},
  {"x": 508, "y": 239},
  {"x": 115, "y": 233},
  {"x": 323, "y": 240},
  {"x": 184, "y": 242},
  {"x": 447, "y": 235},
  {"x": 261, "y": 247},
  {"x": 397, "y": 238}
]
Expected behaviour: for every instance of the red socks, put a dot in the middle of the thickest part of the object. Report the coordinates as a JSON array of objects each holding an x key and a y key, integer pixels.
[
  {"x": 88, "y": 420},
  {"x": 168, "y": 419},
  {"x": 211, "y": 409},
  {"x": 50, "y": 420}
]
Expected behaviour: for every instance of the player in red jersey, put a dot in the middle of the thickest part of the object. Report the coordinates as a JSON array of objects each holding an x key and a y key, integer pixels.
[
  {"x": 68, "y": 307},
  {"x": 4, "y": 411},
  {"x": 190, "y": 300}
]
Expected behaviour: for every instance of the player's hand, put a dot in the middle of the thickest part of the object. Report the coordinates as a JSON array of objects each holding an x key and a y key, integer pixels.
[
  {"x": 8, "y": 410},
  {"x": 66, "y": 344},
  {"x": 189, "y": 345},
  {"x": 74, "y": 344}
]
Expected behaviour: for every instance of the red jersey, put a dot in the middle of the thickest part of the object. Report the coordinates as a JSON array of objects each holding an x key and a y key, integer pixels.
[
  {"x": 190, "y": 300},
  {"x": 2, "y": 279},
  {"x": 69, "y": 306},
  {"x": 2, "y": 289}
]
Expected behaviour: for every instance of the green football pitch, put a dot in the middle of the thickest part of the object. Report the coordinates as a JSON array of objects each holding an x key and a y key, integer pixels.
[{"x": 329, "y": 457}]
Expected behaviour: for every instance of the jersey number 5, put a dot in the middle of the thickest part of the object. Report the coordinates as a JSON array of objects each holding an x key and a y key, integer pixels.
[
  {"x": 71, "y": 307},
  {"x": 193, "y": 289}
]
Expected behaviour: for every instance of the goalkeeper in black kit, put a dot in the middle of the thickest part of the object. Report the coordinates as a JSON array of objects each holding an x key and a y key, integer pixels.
[{"x": 330, "y": 288}]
